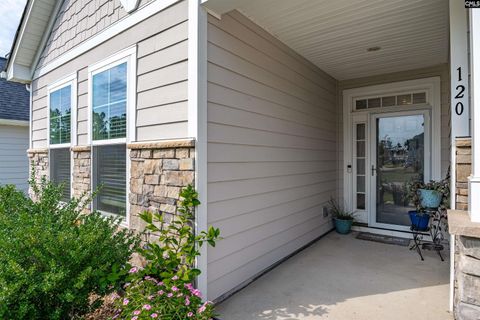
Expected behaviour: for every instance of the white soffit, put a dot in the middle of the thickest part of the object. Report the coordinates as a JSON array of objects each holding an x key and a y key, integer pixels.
[
  {"x": 29, "y": 39},
  {"x": 335, "y": 35}
]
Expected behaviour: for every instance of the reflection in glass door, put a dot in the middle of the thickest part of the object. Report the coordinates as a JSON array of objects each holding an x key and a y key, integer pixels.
[{"x": 400, "y": 145}]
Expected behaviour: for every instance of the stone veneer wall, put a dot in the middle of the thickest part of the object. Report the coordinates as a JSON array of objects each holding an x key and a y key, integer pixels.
[
  {"x": 82, "y": 166},
  {"x": 158, "y": 172},
  {"x": 467, "y": 278},
  {"x": 463, "y": 170},
  {"x": 467, "y": 248},
  {"x": 38, "y": 158}
]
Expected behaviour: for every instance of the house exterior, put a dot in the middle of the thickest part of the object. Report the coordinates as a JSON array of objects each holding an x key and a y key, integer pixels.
[
  {"x": 269, "y": 107},
  {"x": 14, "y": 118}
]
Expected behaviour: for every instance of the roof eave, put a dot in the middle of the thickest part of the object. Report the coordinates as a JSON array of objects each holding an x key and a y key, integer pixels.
[{"x": 19, "y": 72}]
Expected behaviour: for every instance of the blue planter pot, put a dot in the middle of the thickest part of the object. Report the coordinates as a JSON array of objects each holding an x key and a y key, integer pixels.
[
  {"x": 430, "y": 198},
  {"x": 419, "y": 221},
  {"x": 343, "y": 226}
]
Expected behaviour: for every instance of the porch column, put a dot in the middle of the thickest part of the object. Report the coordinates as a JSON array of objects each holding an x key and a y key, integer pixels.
[{"x": 474, "y": 180}]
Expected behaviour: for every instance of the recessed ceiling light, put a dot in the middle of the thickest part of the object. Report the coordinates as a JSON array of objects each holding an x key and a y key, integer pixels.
[{"x": 371, "y": 49}]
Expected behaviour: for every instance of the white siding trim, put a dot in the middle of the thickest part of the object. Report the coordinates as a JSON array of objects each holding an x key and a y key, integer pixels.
[
  {"x": 110, "y": 32},
  {"x": 197, "y": 121},
  {"x": 474, "y": 179}
]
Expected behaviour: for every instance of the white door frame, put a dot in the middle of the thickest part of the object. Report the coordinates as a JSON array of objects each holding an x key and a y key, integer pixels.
[
  {"x": 429, "y": 85},
  {"x": 372, "y": 199}
]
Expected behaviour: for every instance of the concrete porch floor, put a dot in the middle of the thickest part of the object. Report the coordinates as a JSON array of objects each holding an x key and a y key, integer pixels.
[{"x": 343, "y": 278}]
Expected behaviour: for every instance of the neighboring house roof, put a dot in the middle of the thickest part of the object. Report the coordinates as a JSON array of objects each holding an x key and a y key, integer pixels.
[{"x": 14, "y": 98}]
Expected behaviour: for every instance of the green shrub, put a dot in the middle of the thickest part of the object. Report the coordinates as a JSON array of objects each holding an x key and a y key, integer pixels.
[
  {"x": 164, "y": 287},
  {"x": 56, "y": 262}
]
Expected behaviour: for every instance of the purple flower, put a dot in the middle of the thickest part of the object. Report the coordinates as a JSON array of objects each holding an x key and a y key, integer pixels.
[
  {"x": 175, "y": 278},
  {"x": 125, "y": 301},
  {"x": 170, "y": 295},
  {"x": 161, "y": 292},
  {"x": 174, "y": 289},
  {"x": 136, "y": 312},
  {"x": 134, "y": 318},
  {"x": 147, "y": 307},
  {"x": 154, "y": 315},
  {"x": 187, "y": 301},
  {"x": 190, "y": 314}
]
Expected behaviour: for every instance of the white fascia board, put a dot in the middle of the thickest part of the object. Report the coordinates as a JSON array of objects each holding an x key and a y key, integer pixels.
[
  {"x": 219, "y": 7},
  {"x": 138, "y": 16},
  {"x": 18, "y": 73}
]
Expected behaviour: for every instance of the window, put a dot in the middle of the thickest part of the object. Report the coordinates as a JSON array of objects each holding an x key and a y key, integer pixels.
[
  {"x": 109, "y": 103},
  {"x": 60, "y": 164},
  {"x": 112, "y": 94},
  {"x": 391, "y": 101},
  {"x": 60, "y": 115},
  {"x": 109, "y": 173},
  {"x": 61, "y": 120}
]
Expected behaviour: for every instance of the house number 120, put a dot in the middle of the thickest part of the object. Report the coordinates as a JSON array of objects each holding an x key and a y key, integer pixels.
[{"x": 460, "y": 89}]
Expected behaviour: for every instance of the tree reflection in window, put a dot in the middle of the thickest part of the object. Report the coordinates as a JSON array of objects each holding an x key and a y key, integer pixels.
[
  {"x": 109, "y": 103},
  {"x": 60, "y": 113}
]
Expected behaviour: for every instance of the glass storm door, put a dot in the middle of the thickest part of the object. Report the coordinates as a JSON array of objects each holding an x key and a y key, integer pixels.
[{"x": 400, "y": 144}]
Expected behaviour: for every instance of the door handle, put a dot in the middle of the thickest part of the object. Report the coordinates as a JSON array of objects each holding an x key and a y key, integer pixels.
[{"x": 373, "y": 170}]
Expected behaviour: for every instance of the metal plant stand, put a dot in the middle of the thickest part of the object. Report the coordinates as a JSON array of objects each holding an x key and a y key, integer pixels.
[{"x": 436, "y": 227}]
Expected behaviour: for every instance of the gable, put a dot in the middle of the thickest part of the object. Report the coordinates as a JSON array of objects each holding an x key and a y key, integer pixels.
[{"x": 79, "y": 20}]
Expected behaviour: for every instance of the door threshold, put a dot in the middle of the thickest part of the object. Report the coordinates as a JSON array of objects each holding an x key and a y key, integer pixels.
[{"x": 389, "y": 232}]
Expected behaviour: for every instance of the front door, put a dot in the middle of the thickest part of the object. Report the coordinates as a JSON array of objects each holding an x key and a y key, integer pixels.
[{"x": 399, "y": 153}]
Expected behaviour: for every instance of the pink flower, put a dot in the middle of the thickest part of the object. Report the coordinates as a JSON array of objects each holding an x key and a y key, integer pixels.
[
  {"x": 190, "y": 314},
  {"x": 133, "y": 270},
  {"x": 189, "y": 286},
  {"x": 170, "y": 295},
  {"x": 196, "y": 292},
  {"x": 134, "y": 318},
  {"x": 150, "y": 297},
  {"x": 154, "y": 315},
  {"x": 161, "y": 292},
  {"x": 160, "y": 283},
  {"x": 187, "y": 301},
  {"x": 175, "y": 278},
  {"x": 202, "y": 308},
  {"x": 147, "y": 307},
  {"x": 174, "y": 289},
  {"x": 136, "y": 312},
  {"x": 125, "y": 301}
]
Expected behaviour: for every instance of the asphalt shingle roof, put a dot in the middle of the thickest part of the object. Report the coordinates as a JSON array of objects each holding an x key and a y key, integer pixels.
[{"x": 14, "y": 98}]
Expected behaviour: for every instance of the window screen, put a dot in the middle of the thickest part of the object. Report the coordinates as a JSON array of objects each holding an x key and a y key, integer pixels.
[
  {"x": 109, "y": 103},
  {"x": 60, "y": 169},
  {"x": 109, "y": 173},
  {"x": 60, "y": 110}
]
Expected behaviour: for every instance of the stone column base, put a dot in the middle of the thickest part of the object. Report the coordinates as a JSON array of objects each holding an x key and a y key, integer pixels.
[{"x": 158, "y": 172}]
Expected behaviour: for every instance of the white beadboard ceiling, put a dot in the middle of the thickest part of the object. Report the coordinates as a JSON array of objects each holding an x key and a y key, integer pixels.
[{"x": 335, "y": 34}]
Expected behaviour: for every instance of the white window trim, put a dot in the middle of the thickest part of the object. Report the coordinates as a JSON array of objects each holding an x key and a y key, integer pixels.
[
  {"x": 128, "y": 55},
  {"x": 70, "y": 80}
]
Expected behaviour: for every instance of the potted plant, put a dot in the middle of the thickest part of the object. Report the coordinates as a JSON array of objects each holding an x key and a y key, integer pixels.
[
  {"x": 430, "y": 195},
  {"x": 342, "y": 219}
]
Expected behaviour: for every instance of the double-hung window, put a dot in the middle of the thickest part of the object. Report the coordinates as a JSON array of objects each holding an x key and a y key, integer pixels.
[
  {"x": 61, "y": 104},
  {"x": 111, "y": 96}
]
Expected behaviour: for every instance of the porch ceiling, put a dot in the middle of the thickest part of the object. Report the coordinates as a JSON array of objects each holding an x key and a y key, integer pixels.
[{"x": 335, "y": 35}]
